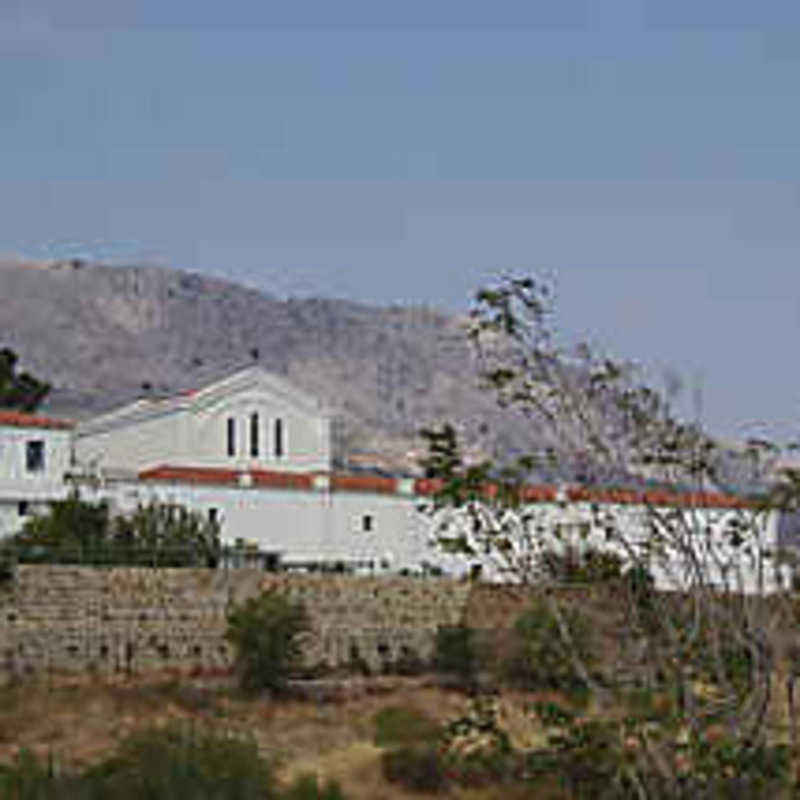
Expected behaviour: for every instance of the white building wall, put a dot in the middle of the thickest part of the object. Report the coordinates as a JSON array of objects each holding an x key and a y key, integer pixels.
[
  {"x": 14, "y": 475},
  {"x": 10, "y": 519},
  {"x": 141, "y": 444},
  {"x": 751, "y": 567},
  {"x": 304, "y": 526},
  {"x": 277, "y": 520},
  {"x": 391, "y": 532},
  {"x": 305, "y": 445},
  {"x": 381, "y": 527},
  {"x": 22, "y": 491},
  {"x": 197, "y": 436}
]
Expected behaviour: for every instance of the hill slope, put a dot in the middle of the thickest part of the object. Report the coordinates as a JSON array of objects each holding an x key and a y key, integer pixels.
[{"x": 106, "y": 335}]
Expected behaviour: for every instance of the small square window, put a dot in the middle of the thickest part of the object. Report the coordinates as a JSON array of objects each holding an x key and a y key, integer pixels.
[{"x": 34, "y": 456}]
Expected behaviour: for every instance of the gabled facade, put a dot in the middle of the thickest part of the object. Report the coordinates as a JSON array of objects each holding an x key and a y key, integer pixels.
[
  {"x": 35, "y": 457},
  {"x": 252, "y": 420}
]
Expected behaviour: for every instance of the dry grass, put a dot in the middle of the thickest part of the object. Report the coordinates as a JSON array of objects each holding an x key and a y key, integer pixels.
[{"x": 82, "y": 724}]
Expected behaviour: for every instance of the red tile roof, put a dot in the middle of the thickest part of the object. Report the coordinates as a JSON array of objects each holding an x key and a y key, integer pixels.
[
  {"x": 271, "y": 479},
  {"x": 21, "y": 419},
  {"x": 376, "y": 484},
  {"x": 428, "y": 485},
  {"x": 531, "y": 493},
  {"x": 654, "y": 497},
  {"x": 547, "y": 494},
  {"x": 282, "y": 480},
  {"x": 205, "y": 475},
  {"x": 228, "y": 477}
]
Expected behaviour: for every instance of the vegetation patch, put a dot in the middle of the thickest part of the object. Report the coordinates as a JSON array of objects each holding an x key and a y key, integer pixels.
[
  {"x": 417, "y": 768},
  {"x": 308, "y": 787},
  {"x": 548, "y": 648},
  {"x": 157, "y": 764},
  {"x": 75, "y": 531},
  {"x": 402, "y": 725},
  {"x": 456, "y": 653},
  {"x": 265, "y": 632}
]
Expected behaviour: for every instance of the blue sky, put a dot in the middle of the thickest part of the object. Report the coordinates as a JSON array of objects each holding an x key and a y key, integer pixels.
[{"x": 646, "y": 154}]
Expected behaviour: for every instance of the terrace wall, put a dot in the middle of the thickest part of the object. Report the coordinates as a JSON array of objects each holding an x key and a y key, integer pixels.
[{"x": 116, "y": 622}]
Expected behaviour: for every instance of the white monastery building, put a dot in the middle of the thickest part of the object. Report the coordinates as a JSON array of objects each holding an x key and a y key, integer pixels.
[
  {"x": 252, "y": 420},
  {"x": 253, "y": 453}
]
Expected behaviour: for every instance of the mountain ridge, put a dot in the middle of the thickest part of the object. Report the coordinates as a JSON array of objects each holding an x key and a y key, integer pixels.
[{"x": 106, "y": 335}]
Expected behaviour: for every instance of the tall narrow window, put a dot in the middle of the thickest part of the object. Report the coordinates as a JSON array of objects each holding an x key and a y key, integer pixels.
[
  {"x": 254, "y": 435},
  {"x": 278, "y": 441},
  {"x": 231, "y": 436}
]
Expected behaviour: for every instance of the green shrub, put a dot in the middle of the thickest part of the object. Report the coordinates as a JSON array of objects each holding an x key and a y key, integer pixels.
[
  {"x": 19, "y": 390},
  {"x": 455, "y": 652},
  {"x": 265, "y": 632},
  {"x": 75, "y": 531},
  {"x": 722, "y": 770},
  {"x": 166, "y": 535},
  {"x": 157, "y": 765},
  {"x": 543, "y": 659},
  {"x": 475, "y": 749},
  {"x": 176, "y": 763},
  {"x": 306, "y": 787},
  {"x": 641, "y": 586},
  {"x": 401, "y": 725},
  {"x": 718, "y": 651},
  {"x": 417, "y": 768},
  {"x": 181, "y": 762},
  {"x": 588, "y": 566},
  {"x": 25, "y": 777},
  {"x": 592, "y": 761},
  {"x": 7, "y": 570},
  {"x": 736, "y": 662},
  {"x": 584, "y": 756},
  {"x": 72, "y": 531}
]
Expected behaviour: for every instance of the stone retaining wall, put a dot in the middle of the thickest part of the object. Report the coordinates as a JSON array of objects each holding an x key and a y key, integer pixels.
[{"x": 115, "y": 622}]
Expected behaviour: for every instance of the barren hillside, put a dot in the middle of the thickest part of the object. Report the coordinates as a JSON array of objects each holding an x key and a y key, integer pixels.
[{"x": 105, "y": 335}]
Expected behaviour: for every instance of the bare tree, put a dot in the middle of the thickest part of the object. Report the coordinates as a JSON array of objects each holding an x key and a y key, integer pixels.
[{"x": 702, "y": 566}]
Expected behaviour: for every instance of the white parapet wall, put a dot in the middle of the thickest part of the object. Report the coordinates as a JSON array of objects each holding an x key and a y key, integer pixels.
[{"x": 381, "y": 524}]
